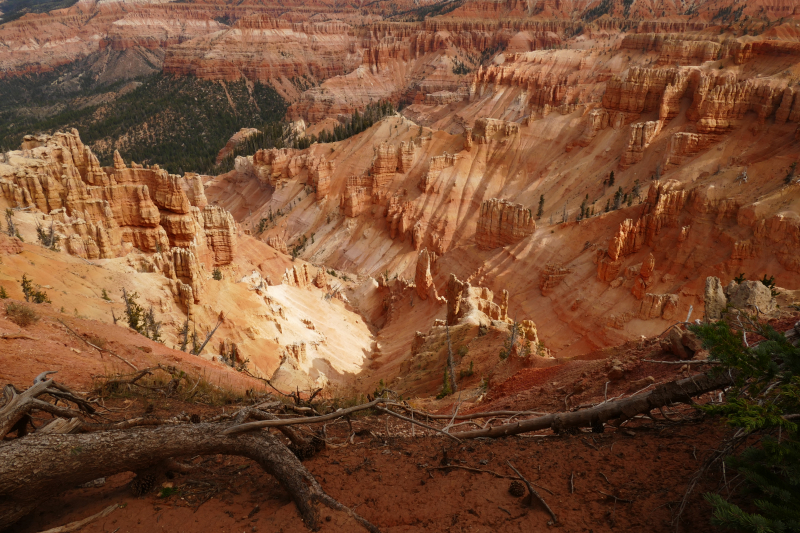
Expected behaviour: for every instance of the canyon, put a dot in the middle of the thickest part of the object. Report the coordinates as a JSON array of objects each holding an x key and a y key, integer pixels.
[
  {"x": 470, "y": 206},
  {"x": 578, "y": 168}
]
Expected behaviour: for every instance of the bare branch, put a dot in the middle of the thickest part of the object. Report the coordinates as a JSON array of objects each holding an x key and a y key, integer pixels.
[{"x": 101, "y": 350}]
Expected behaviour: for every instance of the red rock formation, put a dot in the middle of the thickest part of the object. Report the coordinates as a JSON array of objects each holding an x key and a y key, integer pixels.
[
  {"x": 423, "y": 279},
  {"x": 260, "y": 47},
  {"x": 319, "y": 172},
  {"x": 220, "y": 232},
  {"x": 298, "y": 277},
  {"x": 384, "y": 164},
  {"x": 9, "y": 245},
  {"x": 642, "y": 133},
  {"x": 681, "y": 49},
  {"x": 683, "y": 145},
  {"x": 501, "y": 223},
  {"x": 486, "y": 128},
  {"x": 643, "y": 282},
  {"x": 658, "y": 306},
  {"x": 551, "y": 276},
  {"x": 358, "y": 195},
  {"x": 187, "y": 270},
  {"x": 321, "y": 280},
  {"x": 278, "y": 243},
  {"x": 407, "y": 154},
  {"x": 475, "y": 305},
  {"x": 435, "y": 167},
  {"x": 97, "y": 208}
]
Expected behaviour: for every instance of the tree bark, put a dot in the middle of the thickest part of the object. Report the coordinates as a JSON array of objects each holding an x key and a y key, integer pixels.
[{"x": 38, "y": 466}]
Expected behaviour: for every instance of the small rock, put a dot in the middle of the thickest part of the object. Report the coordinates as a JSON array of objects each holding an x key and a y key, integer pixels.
[
  {"x": 641, "y": 383},
  {"x": 616, "y": 373}
]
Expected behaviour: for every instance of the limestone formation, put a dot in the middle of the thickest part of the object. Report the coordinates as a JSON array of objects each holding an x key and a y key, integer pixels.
[
  {"x": 384, "y": 164},
  {"x": 278, "y": 243},
  {"x": 298, "y": 276},
  {"x": 103, "y": 213},
  {"x": 551, "y": 276},
  {"x": 643, "y": 281},
  {"x": 423, "y": 279},
  {"x": 407, "y": 154},
  {"x": 752, "y": 296},
  {"x": 473, "y": 305},
  {"x": 501, "y": 223},
  {"x": 714, "y": 299},
  {"x": 659, "y": 306}
]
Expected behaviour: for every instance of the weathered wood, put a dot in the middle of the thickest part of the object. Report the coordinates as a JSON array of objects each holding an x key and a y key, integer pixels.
[
  {"x": 37, "y": 466},
  {"x": 250, "y": 426},
  {"x": 18, "y": 405},
  {"x": 675, "y": 391}
]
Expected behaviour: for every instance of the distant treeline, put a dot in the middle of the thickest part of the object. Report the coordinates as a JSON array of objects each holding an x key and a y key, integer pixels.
[
  {"x": 357, "y": 123},
  {"x": 180, "y": 123}
]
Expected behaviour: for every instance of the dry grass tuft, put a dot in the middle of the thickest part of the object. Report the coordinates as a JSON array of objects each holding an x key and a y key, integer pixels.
[{"x": 21, "y": 314}]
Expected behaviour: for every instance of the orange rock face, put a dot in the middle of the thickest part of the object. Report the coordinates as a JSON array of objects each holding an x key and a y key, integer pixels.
[
  {"x": 502, "y": 223},
  {"x": 102, "y": 213},
  {"x": 260, "y": 47}
]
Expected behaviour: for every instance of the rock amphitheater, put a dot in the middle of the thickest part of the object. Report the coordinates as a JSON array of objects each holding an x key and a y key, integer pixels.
[{"x": 562, "y": 191}]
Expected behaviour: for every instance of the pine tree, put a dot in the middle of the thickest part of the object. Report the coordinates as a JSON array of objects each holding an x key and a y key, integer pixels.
[
  {"x": 540, "y": 211},
  {"x": 618, "y": 199},
  {"x": 446, "y": 389},
  {"x": 763, "y": 402},
  {"x": 611, "y": 179}
]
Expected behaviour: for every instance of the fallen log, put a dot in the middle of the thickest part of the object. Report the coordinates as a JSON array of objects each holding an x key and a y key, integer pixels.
[
  {"x": 72, "y": 460},
  {"x": 75, "y": 526},
  {"x": 681, "y": 391},
  {"x": 34, "y": 467}
]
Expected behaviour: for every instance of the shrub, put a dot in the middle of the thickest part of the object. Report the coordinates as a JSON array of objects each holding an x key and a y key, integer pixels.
[
  {"x": 462, "y": 351},
  {"x": 469, "y": 372},
  {"x": 3, "y": 293},
  {"x": 21, "y": 314},
  {"x": 217, "y": 274},
  {"x": 97, "y": 341},
  {"x": 32, "y": 294},
  {"x": 48, "y": 237},
  {"x": 140, "y": 320},
  {"x": 105, "y": 296}
]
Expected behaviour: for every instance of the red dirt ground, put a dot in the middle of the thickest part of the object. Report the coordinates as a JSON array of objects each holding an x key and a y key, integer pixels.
[
  {"x": 396, "y": 481},
  {"x": 53, "y": 347}
]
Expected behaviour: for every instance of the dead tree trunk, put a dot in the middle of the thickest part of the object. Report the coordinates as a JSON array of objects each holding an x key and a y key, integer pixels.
[
  {"x": 35, "y": 467},
  {"x": 675, "y": 391}
]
